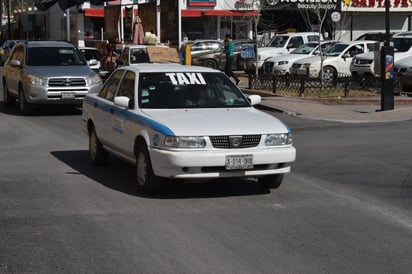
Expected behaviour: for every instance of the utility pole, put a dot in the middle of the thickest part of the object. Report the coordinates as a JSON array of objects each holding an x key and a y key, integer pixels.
[
  {"x": 8, "y": 20},
  {"x": 68, "y": 24},
  {"x": 387, "y": 66}
]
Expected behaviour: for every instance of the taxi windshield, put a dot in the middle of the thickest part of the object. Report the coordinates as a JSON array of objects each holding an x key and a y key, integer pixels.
[{"x": 188, "y": 90}]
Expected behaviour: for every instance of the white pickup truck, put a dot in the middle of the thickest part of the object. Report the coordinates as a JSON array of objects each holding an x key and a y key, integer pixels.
[{"x": 278, "y": 45}]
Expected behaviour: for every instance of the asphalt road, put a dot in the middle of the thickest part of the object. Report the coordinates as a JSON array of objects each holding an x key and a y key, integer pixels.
[{"x": 344, "y": 208}]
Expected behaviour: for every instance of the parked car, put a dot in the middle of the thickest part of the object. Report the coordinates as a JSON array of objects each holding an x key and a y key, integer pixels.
[
  {"x": 217, "y": 59},
  {"x": 47, "y": 72},
  {"x": 336, "y": 61},
  {"x": 280, "y": 65},
  {"x": 363, "y": 65},
  {"x": 5, "y": 50},
  {"x": 133, "y": 54},
  {"x": 279, "y": 45},
  {"x": 151, "y": 116},
  {"x": 137, "y": 54},
  {"x": 93, "y": 57},
  {"x": 403, "y": 71},
  {"x": 201, "y": 47},
  {"x": 373, "y": 36}
]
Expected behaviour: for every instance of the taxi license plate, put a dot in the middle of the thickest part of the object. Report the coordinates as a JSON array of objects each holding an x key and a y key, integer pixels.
[
  {"x": 239, "y": 161},
  {"x": 68, "y": 95}
]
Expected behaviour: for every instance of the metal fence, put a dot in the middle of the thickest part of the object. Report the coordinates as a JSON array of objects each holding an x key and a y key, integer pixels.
[{"x": 301, "y": 85}]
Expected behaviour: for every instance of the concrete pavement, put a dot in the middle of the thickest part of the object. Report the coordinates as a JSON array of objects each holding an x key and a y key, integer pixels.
[{"x": 346, "y": 110}]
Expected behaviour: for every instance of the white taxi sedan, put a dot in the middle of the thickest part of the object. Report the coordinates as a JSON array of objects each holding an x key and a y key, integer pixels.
[{"x": 184, "y": 122}]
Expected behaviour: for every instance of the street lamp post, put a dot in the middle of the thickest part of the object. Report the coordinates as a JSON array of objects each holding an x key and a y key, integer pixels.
[
  {"x": 387, "y": 66},
  {"x": 8, "y": 20}
]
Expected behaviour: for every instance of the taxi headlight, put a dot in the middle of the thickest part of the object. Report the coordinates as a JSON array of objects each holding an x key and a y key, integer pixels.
[
  {"x": 185, "y": 142},
  {"x": 95, "y": 79},
  {"x": 278, "y": 139},
  {"x": 35, "y": 80}
]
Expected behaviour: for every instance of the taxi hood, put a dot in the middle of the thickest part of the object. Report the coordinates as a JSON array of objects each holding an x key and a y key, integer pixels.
[{"x": 219, "y": 121}]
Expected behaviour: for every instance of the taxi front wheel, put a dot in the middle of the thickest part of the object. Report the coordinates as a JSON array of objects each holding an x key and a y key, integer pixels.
[
  {"x": 271, "y": 181},
  {"x": 147, "y": 182}
]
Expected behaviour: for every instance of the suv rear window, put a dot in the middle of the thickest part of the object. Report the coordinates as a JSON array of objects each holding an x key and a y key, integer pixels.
[{"x": 54, "y": 56}]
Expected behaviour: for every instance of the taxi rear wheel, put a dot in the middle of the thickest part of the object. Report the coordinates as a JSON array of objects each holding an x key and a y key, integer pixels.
[
  {"x": 97, "y": 153},
  {"x": 271, "y": 181},
  {"x": 147, "y": 182}
]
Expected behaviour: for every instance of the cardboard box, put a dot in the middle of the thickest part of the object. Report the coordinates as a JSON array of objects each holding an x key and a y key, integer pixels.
[{"x": 163, "y": 55}]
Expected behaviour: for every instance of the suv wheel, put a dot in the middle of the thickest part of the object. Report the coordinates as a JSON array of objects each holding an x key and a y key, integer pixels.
[
  {"x": 9, "y": 101},
  {"x": 25, "y": 108}
]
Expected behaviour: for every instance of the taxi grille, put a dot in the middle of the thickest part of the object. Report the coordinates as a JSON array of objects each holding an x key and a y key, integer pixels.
[
  {"x": 227, "y": 141},
  {"x": 67, "y": 82}
]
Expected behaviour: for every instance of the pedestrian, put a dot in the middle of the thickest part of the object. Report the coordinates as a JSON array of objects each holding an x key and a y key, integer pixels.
[{"x": 229, "y": 50}]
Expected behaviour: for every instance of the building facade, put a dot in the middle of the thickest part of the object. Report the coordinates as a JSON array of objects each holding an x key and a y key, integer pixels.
[{"x": 361, "y": 16}]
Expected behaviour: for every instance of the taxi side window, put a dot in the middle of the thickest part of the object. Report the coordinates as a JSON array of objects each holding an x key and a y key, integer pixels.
[
  {"x": 127, "y": 85},
  {"x": 109, "y": 89}
]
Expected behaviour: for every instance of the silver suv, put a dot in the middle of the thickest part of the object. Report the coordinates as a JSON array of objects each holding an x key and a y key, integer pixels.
[{"x": 47, "y": 72}]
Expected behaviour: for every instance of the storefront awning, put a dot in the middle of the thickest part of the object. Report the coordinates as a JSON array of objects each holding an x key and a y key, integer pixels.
[
  {"x": 231, "y": 13},
  {"x": 199, "y": 13},
  {"x": 191, "y": 13},
  {"x": 94, "y": 12},
  {"x": 100, "y": 12}
]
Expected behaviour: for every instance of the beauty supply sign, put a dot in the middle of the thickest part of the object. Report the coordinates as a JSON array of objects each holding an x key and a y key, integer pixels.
[
  {"x": 376, "y": 5},
  {"x": 344, "y": 5},
  {"x": 306, "y": 4}
]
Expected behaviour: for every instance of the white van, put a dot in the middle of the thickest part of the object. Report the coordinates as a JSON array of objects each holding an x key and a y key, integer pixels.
[{"x": 278, "y": 45}]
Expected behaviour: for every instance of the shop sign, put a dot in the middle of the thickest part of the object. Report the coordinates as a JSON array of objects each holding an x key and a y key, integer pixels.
[
  {"x": 376, "y": 5},
  {"x": 305, "y": 4},
  {"x": 238, "y": 5},
  {"x": 201, "y": 3}
]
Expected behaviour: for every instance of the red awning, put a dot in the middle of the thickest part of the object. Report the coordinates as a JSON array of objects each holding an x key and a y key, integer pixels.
[
  {"x": 94, "y": 12},
  {"x": 191, "y": 13},
  {"x": 100, "y": 12},
  {"x": 198, "y": 13}
]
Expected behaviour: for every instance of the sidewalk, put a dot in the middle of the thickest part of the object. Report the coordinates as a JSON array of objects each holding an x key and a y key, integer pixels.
[{"x": 346, "y": 110}]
